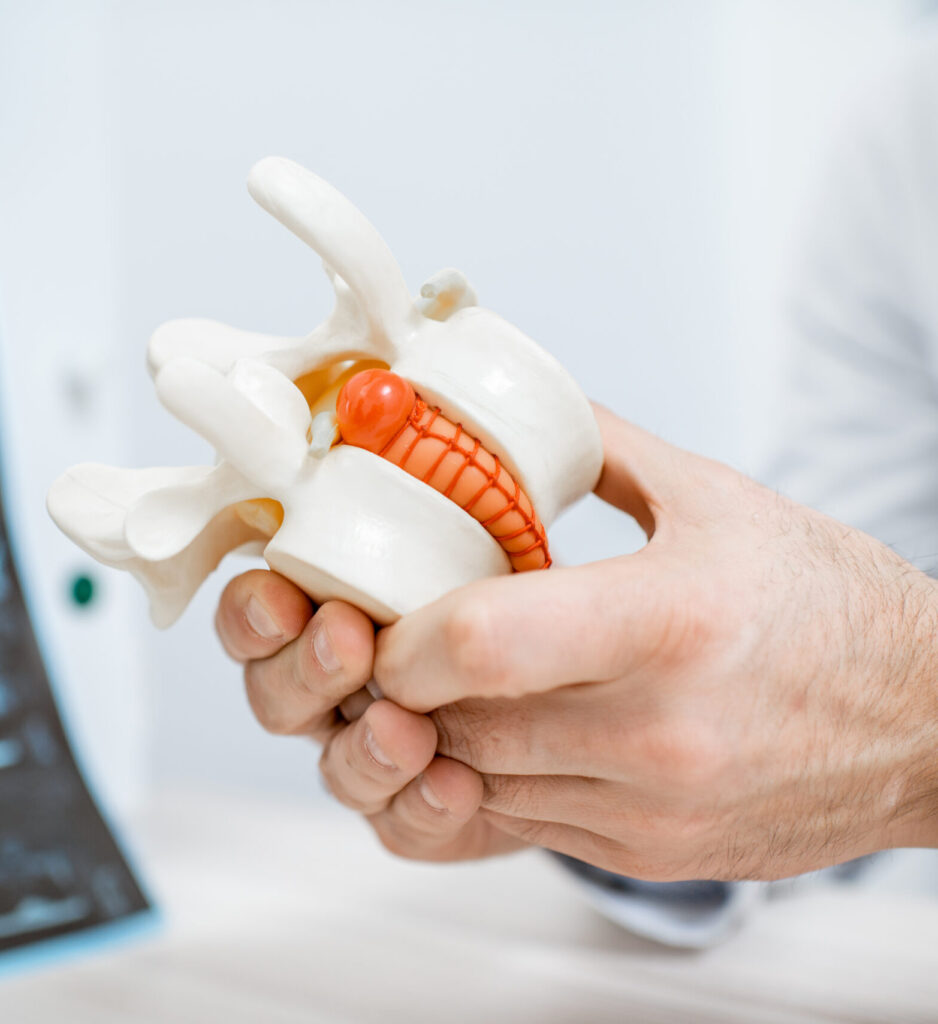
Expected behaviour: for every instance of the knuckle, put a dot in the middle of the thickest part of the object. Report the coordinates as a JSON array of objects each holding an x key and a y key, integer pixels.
[
  {"x": 686, "y": 831},
  {"x": 511, "y": 795},
  {"x": 685, "y": 756},
  {"x": 450, "y": 741},
  {"x": 396, "y": 837},
  {"x": 665, "y": 830},
  {"x": 273, "y": 715},
  {"x": 471, "y": 639},
  {"x": 464, "y": 732},
  {"x": 688, "y": 626},
  {"x": 345, "y": 781},
  {"x": 233, "y": 596},
  {"x": 487, "y": 733},
  {"x": 231, "y": 630},
  {"x": 328, "y": 775},
  {"x": 258, "y": 697}
]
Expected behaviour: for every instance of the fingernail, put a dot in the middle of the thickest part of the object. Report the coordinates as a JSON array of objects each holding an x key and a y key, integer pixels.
[
  {"x": 374, "y": 749},
  {"x": 322, "y": 648},
  {"x": 426, "y": 791},
  {"x": 372, "y": 687},
  {"x": 260, "y": 620}
]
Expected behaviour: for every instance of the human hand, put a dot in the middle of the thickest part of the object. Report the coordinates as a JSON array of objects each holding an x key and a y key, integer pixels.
[
  {"x": 752, "y": 695},
  {"x": 305, "y": 675}
]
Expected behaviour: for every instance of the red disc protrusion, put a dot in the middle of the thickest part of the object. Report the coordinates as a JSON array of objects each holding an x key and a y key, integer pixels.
[{"x": 372, "y": 407}]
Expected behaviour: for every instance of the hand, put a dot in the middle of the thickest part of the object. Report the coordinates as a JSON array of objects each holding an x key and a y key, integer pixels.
[
  {"x": 752, "y": 695},
  {"x": 305, "y": 675}
]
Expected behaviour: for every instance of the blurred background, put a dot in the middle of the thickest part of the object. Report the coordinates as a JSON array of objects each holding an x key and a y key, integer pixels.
[{"x": 625, "y": 181}]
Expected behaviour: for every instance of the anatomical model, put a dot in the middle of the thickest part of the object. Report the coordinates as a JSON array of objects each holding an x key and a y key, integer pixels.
[{"x": 401, "y": 449}]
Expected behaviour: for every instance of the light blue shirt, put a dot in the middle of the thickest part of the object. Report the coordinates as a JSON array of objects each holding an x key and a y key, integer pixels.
[{"x": 857, "y": 431}]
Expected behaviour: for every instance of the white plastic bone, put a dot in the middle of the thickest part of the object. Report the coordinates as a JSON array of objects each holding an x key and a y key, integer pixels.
[
  {"x": 354, "y": 526},
  {"x": 445, "y": 293},
  {"x": 324, "y": 433}
]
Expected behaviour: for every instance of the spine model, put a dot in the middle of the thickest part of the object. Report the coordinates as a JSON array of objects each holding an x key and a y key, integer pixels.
[{"x": 380, "y": 411}]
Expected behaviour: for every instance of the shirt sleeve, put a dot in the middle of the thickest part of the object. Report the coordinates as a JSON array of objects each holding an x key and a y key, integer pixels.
[
  {"x": 688, "y": 915},
  {"x": 856, "y": 435},
  {"x": 857, "y": 427}
]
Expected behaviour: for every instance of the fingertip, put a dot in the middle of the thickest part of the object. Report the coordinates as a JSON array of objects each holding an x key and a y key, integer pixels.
[
  {"x": 407, "y": 739},
  {"x": 452, "y": 787},
  {"x": 343, "y": 639},
  {"x": 411, "y": 659},
  {"x": 259, "y": 612},
  {"x": 428, "y": 818},
  {"x": 290, "y": 607}
]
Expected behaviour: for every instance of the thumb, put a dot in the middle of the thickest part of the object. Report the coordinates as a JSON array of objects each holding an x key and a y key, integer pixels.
[
  {"x": 642, "y": 475},
  {"x": 526, "y": 633}
]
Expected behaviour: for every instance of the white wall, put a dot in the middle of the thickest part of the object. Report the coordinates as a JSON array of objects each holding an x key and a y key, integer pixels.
[
  {"x": 618, "y": 178},
  {"x": 792, "y": 72},
  {"x": 64, "y": 365}
]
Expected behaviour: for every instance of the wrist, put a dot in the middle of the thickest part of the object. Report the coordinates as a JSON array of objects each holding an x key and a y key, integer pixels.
[{"x": 913, "y": 783}]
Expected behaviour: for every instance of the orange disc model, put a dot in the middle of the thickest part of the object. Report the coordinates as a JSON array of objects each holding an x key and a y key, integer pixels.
[{"x": 379, "y": 411}]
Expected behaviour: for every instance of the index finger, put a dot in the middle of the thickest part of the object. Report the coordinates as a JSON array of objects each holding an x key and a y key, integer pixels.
[
  {"x": 258, "y": 613},
  {"x": 525, "y": 633},
  {"x": 297, "y": 689}
]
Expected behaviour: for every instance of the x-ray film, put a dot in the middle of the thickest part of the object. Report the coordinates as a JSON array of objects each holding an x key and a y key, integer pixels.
[{"x": 61, "y": 870}]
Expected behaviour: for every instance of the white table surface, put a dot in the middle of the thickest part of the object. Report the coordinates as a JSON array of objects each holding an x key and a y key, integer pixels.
[{"x": 283, "y": 914}]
